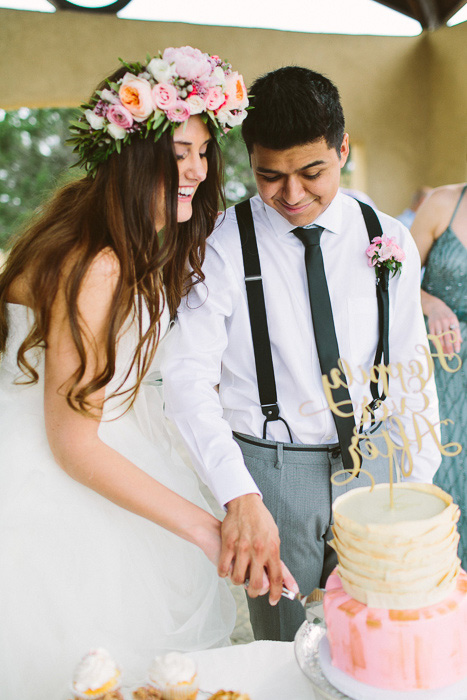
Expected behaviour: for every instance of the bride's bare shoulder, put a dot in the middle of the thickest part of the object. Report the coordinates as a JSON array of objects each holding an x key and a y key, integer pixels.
[{"x": 104, "y": 270}]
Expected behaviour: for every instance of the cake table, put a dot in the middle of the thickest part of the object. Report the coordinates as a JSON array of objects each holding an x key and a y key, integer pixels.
[{"x": 265, "y": 670}]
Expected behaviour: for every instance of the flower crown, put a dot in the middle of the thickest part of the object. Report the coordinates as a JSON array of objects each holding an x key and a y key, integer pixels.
[{"x": 162, "y": 94}]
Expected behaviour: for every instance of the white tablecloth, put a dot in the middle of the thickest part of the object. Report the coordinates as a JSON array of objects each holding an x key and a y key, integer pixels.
[{"x": 264, "y": 670}]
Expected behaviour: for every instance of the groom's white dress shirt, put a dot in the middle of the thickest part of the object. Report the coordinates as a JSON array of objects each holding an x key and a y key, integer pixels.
[{"x": 208, "y": 367}]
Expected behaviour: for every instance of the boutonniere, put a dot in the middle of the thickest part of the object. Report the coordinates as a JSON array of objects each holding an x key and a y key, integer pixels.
[{"x": 384, "y": 254}]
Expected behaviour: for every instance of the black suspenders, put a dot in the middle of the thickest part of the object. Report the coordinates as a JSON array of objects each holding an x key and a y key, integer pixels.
[
  {"x": 258, "y": 319},
  {"x": 374, "y": 229}
]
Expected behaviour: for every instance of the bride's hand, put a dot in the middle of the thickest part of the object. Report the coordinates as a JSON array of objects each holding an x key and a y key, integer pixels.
[{"x": 208, "y": 538}]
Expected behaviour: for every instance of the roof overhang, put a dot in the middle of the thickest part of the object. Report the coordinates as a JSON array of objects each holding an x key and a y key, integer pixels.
[{"x": 430, "y": 13}]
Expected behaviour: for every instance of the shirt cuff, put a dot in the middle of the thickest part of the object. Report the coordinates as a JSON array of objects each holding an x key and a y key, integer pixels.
[{"x": 231, "y": 480}]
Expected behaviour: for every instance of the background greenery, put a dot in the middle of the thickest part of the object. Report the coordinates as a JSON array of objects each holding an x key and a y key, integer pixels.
[{"x": 34, "y": 160}]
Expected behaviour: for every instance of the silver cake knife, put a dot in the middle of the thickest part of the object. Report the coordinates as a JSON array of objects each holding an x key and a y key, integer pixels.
[{"x": 312, "y": 602}]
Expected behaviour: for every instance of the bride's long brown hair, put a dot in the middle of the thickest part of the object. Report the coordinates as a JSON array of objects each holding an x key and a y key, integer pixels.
[{"x": 116, "y": 210}]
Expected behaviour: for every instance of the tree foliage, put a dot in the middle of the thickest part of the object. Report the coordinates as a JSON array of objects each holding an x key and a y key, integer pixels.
[
  {"x": 239, "y": 179},
  {"x": 34, "y": 160}
]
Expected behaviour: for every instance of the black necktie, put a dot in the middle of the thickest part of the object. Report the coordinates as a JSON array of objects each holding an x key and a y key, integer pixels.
[{"x": 325, "y": 333}]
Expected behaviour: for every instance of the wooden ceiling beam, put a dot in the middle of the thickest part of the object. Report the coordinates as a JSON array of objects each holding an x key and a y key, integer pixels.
[{"x": 430, "y": 13}]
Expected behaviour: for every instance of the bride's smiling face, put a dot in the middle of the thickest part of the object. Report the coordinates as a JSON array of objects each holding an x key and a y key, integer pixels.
[{"x": 191, "y": 142}]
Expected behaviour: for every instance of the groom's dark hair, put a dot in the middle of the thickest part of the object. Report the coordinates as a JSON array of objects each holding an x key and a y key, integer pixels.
[{"x": 293, "y": 106}]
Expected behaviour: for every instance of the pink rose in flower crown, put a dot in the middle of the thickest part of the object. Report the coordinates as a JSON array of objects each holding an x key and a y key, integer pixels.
[
  {"x": 214, "y": 99},
  {"x": 190, "y": 63},
  {"x": 118, "y": 115},
  {"x": 179, "y": 113},
  {"x": 236, "y": 93},
  {"x": 135, "y": 95},
  {"x": 165, "y": 96}
]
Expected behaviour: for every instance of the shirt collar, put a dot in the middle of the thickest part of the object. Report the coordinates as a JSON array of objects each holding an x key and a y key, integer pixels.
[{"x": 330, "y": 219}]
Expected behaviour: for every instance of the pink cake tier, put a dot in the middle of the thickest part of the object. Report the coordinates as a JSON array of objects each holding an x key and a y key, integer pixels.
[{"x": 424, "y": 648}]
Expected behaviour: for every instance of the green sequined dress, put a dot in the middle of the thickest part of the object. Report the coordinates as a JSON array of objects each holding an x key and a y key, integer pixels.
[{"x": 446, "y": 278}]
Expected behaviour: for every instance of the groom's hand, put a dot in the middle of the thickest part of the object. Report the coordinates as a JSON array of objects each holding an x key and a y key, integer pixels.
[{"x": 250, "y": 546}]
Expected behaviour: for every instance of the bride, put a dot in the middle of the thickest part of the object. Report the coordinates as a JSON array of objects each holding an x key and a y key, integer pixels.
[{"x": 102, "y": 526}]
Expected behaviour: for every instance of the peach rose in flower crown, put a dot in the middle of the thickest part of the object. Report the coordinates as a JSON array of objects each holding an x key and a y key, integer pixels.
[
  {"x": 135, "y": 95},
  {"x": 236, "y": 93}
]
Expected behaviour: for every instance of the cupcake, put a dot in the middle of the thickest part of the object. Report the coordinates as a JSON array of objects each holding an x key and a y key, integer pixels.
[
  {"x": 96, "y": 677},
  {"x": 174, "y": 675}
]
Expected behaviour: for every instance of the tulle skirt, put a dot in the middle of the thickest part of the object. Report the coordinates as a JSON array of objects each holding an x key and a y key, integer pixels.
[{"x": 79, "y": 572}]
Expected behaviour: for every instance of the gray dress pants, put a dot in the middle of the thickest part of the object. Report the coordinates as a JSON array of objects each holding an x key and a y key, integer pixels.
[{"x": 296, "y": 485}]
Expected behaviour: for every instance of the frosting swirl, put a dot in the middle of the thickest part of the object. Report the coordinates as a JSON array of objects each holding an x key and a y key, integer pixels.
[
  {"x": 94, "y": 670},
  {"x": 172, "y": 668}
]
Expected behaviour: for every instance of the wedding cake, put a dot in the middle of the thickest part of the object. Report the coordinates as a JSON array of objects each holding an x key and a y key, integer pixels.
[{"x": 396, "y": 605}]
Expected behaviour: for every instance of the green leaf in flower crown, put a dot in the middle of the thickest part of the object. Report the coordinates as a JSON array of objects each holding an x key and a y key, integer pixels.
[
  {"x": 157, "y": 121},
  {"x": 134, "y": 67},
  {"x": 82, "y": 126}
]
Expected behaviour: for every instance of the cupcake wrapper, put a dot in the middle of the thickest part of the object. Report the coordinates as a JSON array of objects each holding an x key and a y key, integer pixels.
[
  {"x": 95, "y": 694},
  {"x": 185, "y": 691}
]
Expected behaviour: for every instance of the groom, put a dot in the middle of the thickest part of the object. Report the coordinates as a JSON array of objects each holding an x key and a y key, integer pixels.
[{"x": 244, "y": 365}]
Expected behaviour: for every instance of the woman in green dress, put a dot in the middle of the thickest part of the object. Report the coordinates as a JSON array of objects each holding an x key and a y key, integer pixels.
[{"x": 440, "y": 231}]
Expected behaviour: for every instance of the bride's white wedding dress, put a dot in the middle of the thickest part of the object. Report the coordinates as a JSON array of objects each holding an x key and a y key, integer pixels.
[{"x": 77, "y": 571}]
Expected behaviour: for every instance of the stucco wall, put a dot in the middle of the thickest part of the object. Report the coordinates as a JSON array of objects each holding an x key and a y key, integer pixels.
[
  {"x": 446, "y": 145},
  {"x": 404, "y": 98}
]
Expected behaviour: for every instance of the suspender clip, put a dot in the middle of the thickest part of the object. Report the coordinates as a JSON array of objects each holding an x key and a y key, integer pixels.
[
  {"x": 270, "y": 410},
  {"x": 253, "y": 278}
]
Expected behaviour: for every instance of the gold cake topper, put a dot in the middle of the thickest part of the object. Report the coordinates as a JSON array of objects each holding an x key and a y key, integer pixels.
[{"x": 413, "y": 378}]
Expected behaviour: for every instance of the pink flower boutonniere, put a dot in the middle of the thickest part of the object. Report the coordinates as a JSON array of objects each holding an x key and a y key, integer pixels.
[{"x": 384, "y": 254}]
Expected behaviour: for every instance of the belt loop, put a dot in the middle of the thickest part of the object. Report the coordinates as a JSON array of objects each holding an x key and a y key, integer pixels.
[{"x": 280, "y": 455}]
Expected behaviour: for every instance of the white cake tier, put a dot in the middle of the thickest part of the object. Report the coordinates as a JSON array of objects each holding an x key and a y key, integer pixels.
[{"x": 398, "y": 557}]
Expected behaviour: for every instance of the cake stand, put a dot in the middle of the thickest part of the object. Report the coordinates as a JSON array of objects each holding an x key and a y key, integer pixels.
[{"x": 306, "y": 648}]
